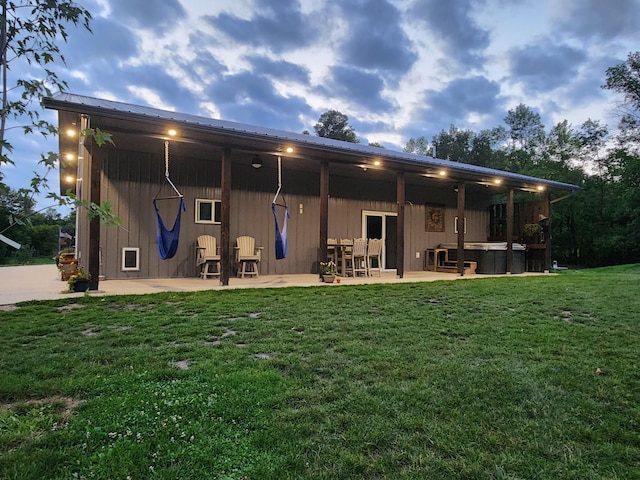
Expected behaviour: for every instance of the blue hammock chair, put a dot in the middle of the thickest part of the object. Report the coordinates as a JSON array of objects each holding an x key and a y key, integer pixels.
[
  {"x": 168, "y": 239},
  {"x": 282, "y": 243}
]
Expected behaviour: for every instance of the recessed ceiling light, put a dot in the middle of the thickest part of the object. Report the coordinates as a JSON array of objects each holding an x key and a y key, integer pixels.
[
  {"x": 540, "y": 188},
  {"x": 172, "y": 132},
  {"x": 69, "y": 179},
  {"x": 497, "y": 181},
  {"x": 377, "y": 163},
  {"x": 69, "y": 156},
  {"x": 442, "y": 173},
  {"x": 289, "y": 150}
]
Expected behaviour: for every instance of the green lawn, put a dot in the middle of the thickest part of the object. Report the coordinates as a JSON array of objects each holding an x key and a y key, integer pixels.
[
  {"x": 492, "y": 378},
  {"x": 13, "y": 262}
]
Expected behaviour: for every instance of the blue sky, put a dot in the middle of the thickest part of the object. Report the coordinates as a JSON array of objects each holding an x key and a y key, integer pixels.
[{"x": 397, "y": 68}]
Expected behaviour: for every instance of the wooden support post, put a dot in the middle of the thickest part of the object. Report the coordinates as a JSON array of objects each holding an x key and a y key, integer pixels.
[
  {"x": 547, "y": 240},
  {"x": 225, "y": 220},
  {"x": 461, "y": 199},
  {"x": 96, "y": 159},
  {"x": 400, "y": 199},
  {"x": 510, "y": 231},
  {"x": 324, "y": 213}
]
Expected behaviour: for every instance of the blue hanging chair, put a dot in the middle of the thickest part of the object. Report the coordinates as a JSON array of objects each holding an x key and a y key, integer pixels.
[
  {"x": 168, "y": 239},
  {"x": 282, "y": 243}
]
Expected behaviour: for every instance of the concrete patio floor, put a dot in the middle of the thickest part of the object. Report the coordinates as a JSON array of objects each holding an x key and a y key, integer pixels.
[{"x": 42, "y": 282}]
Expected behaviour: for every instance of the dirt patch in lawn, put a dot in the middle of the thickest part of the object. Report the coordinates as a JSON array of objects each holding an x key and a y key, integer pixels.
[{"x": 68, "y": 404}]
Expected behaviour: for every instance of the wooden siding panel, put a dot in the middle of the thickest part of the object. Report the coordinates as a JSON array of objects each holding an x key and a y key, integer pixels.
[{"x": 132, "y": 179}]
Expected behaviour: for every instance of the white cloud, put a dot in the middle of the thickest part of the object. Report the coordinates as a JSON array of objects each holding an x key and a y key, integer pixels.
[
  {"x": 463, "y": 71},
  {"x": 150, "y": 97}
]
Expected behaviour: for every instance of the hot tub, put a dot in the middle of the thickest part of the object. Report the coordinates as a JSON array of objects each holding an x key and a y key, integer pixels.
[{"x": 491, "y": 257}]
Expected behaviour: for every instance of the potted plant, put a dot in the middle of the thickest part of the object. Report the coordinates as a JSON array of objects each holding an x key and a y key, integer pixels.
[
  {"x": 531, "y": 232},
  {"x": 66, "y": 263},
  {"x": 79, "y": 281},
  {"x": 328, "y": 271}
]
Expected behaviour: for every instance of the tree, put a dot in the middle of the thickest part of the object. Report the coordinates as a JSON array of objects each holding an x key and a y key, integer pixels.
[
  {"x": 419, "y": 146},
  {"x": 333, "y": 124},
  {"x": 30, "y": 32},
  {"x": 526, "y": 131},
  {"x": 454, "y": 144},
  {"x": 624, "y": 78},
  {"x": 486, "y": 148},
  {"x": 592, "y": 139}
]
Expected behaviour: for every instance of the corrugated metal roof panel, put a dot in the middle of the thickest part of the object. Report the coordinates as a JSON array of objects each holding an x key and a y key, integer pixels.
[{"x": 76, "y": 103}]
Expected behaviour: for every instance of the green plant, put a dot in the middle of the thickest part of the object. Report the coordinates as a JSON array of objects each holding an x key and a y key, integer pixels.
[
  {"x": 328, "y": 268},
  {"x": 530, "y": 230},
  {"x": 81, "y": 275}
]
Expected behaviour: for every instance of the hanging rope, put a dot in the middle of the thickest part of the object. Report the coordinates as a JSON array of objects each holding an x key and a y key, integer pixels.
[
  {"x": 167, "y": 177},
  {"x": 279, "y": 185}
]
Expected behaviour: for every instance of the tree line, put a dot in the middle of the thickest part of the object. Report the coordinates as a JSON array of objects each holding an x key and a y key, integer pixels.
[{"x": 596, "y": 226}]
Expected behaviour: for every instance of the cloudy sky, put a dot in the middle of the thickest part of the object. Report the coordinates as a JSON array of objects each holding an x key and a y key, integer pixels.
[{"x": 397, "y": 68}]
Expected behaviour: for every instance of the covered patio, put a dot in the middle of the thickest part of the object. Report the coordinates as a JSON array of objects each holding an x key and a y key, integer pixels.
[
  {"x": 334, "y": 189},
  {"x": 42, "y": 282}
]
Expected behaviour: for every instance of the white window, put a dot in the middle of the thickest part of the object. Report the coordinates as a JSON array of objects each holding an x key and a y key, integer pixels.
[
  {"x": 208, "y": 211},
  {"x": 130, "y": 259}
]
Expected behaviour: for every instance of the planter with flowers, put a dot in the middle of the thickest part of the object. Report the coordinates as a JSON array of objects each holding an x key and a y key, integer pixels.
[
  {"x": 66, "y": 263},
  {"x": 328, "y": 271},
  {"x": 79, "y": 281}
]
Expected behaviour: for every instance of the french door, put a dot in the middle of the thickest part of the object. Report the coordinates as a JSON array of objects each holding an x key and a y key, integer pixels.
[{"x": 382, "y": 225}]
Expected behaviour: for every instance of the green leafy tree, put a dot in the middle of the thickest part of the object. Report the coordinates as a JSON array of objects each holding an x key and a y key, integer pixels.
[
  {"x": 486, "y": 148},
  {"x": 333, "y": 124},
  {"x": 419, "y": 146},
  {"x": 31, "y": 32},
  {"x": 624, "y": 79},
  {"x": 454, "y": 144}
]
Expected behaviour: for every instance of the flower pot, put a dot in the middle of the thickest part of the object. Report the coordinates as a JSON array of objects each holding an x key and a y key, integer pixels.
[
  {"x": 81, "y": 286},
  {"x": 67, "y": 264},
  {"x": 327, "y": 278}
]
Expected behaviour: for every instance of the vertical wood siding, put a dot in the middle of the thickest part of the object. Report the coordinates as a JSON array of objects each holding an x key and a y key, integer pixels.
[{"x": 131, "y": 180}]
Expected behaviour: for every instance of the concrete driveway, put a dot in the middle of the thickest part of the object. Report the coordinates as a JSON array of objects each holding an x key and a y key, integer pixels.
[{"x": 42, "y": 282}]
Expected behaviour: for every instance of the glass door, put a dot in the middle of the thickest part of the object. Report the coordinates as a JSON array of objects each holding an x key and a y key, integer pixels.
[{"x": 382, "y": 225}]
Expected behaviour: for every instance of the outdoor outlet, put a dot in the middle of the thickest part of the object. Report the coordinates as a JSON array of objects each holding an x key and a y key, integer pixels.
[{"x": 417, "y": 254}]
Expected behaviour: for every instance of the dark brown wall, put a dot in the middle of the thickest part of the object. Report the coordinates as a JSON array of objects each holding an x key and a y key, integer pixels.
[{"x": 131, "y": 180}]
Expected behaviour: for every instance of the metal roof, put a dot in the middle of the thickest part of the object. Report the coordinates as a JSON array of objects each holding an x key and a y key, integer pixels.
[{"x": 95, "y": 106}]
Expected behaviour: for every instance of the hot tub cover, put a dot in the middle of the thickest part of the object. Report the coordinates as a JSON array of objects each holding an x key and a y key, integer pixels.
[{"x": 486, "y": 246}]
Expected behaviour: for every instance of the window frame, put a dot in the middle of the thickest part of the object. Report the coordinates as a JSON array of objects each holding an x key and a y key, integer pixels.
[{"x": 213, "y": 202}]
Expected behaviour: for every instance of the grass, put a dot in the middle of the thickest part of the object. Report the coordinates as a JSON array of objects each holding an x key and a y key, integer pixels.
[
  {"x": 12, "y": 262},
  {"x": 483, "y": 379}
]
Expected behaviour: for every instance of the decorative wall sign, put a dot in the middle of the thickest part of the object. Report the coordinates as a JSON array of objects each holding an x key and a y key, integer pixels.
[{"x": 434, "y": 218}]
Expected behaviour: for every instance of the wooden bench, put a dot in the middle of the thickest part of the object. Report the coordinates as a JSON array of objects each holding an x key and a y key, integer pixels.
[
  {"x": 437, "y": 260},
  {"x": 452, "y": 267}
]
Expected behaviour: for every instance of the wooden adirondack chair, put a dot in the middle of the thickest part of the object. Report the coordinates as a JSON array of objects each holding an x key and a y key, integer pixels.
[
  {"x": 207, "y": 256},
  {"x": 248, "y": 256}
]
